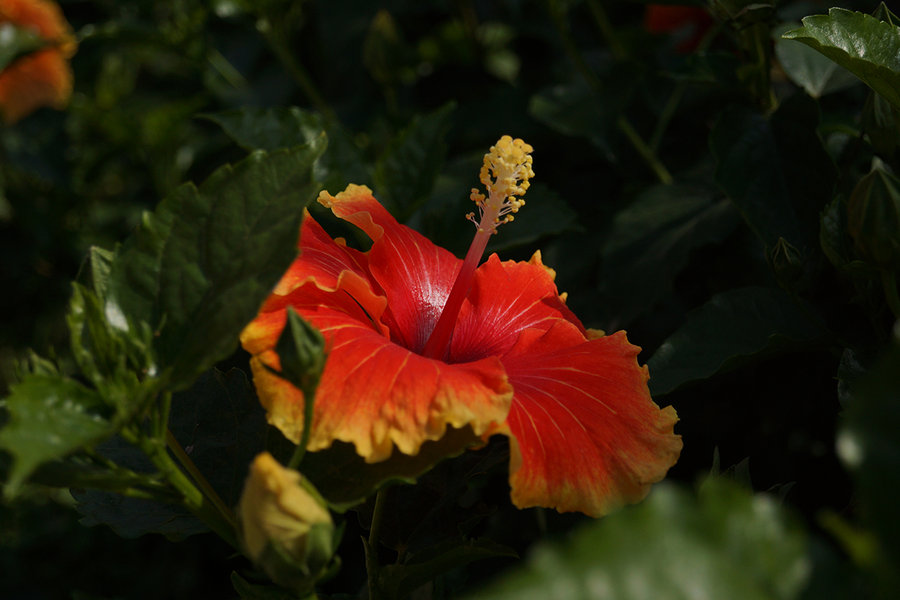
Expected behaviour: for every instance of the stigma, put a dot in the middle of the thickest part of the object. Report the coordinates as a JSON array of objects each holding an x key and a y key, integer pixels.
[{"x": 505, "y": 174}]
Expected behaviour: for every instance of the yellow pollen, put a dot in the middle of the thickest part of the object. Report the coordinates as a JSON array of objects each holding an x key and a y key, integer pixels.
[{"x": 505, "y": 175}]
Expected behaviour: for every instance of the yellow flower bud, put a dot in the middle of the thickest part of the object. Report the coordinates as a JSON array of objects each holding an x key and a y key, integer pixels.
[{"x": 285, "y": 529}]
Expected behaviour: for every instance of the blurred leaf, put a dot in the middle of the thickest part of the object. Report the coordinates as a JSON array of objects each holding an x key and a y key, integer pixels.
[
  {"x": 546, "y": 214},
  {"x": 16, "y": 41},
  {"x": 652, "y": 239},
  {"x": 750, "y": 173},
  {"x": 405, "y": 173},
  {"x": 248, "y": 590},
  {"x": 833, "y": 237},
  {"x": 575, "y": 110},
  {"x": 873, "y": 218},
  {"x": 733, "y": 325},
  {"x": 344, "y": 479},
  {"x": 401, "y": 579},
  {"x": 869, "y": 447},
  {"x": 881, "y": 123},
  {"x": 775, "y": 170},
  {"x": 269, "y": 128},
  {"x": 80, "y": 471},
  {"x": 727, "y": 543},
  {"x": 385, "y": 54},
  {"x": 198, "y": 269},
  {"x": 96, "y": 270},
  {"x": 50, "y": 417},
  {"x": 862, "y": 44},
  {"x": 285, "y": 127},
  {"x": 134, "y": 517},
  {"x": 808, "y": 170},
  {"x": 815, "y": 73}
]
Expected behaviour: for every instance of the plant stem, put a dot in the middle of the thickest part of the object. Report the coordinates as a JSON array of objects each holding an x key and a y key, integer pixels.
[
  {"x": 192, "y": 498},
  {"x": 666, "y": 115},
  {"x": 208, "y": 491},
  {"x": 557, "y": 13},
  {"x": 645, "y": 151},
  {"x": 372, "y": 566},
  {"x": 276, "y": 41},
  {"x": 607, "y": 30}
]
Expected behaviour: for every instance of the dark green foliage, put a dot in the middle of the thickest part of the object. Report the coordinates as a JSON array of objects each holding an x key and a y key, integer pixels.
[
  {"x": 198, "y": 269},
  {"x": 863, "y": 44},
  {"x": 50, "y": 417},
  {"x": 717, "y": 200},
  {"x": 732, "y": 327},
  {"x": 722, "y": 542}
]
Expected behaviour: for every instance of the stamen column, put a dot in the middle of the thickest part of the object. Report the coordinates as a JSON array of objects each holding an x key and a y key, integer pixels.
[{"x": 509, "y": 162}]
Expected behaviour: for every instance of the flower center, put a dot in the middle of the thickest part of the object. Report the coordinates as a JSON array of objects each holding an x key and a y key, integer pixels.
[{"x": 505, "y": 175}]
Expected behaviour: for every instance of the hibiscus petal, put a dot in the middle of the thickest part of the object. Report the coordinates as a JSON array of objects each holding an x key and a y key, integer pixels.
[
  {"x": 585, "y": 434},
  {"x": 376, "y": 394},
  {"x": 507, "y": 298},
  {"x": 42, "y": 78},
  {"x": 415, "y": 274},
  {"x": 46, "y": 17},
  {"x": 321, "y": 259}
]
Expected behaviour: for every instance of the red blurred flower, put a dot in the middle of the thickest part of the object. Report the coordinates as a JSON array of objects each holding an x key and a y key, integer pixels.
[
  {"x": 689, "y": 23},
  {"x": 43, "y": 77},
  {"x": 420, "y": 340}
]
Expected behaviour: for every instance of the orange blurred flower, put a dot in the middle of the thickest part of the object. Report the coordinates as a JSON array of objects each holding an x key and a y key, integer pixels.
[
  {"x": 688, "y": 23},
  {"x": 419, "y": 340},
  {"x": 43, "y": 77}
]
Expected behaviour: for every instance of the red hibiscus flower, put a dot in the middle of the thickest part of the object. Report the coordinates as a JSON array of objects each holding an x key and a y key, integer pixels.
[
  {"x": 419, "y": 340},
  {"x": 43, "y": 77}
]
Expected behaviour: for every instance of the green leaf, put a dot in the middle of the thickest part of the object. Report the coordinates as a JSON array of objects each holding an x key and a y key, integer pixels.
[
  {"x": 833, "y": 237},
  {"x": 132, "y": 517},
  {"x": 881, "y": 123},
  {"x": 96, "y": 270},
  {"x": 748, "y": 170},
  {"x": 50, "y": 417},
  {"x": 199, "y": 267},
  {"x": 400, "y": 580},
  {"x": 116, "y": 360},
  {"x": 883, "y": 13},
  {"x": 344, "y": 479},
  {"x": 576, "y": 111},
  {"x": 546, "y": 214},
  {"x": 726, "y": 543},
  {"x": 731, "y": 327},
  {"x": 221, "y": 427},
  {"x": 405, "y": 173},
  {"x": 812, "y": 71},
  {"x": 16, "y": 41},
  {"x": 862, "y": 44},
  {"x": 775, "y": 170},
  {"x": 269, "y": 128},
  {"x": 869, "y": 447},
  {"x": 267, "y": 590},
  {"x": 652, "y": 239},
  {"x": 284, "y": 127}
]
